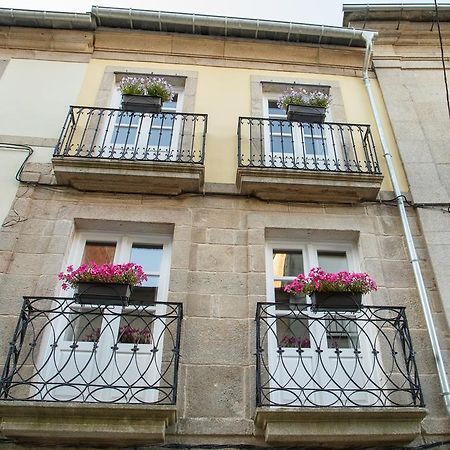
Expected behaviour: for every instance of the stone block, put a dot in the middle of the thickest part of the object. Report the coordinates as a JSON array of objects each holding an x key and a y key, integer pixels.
[
  {"x": 392, "y": 247},
  {"x": 180, "y": 255},
  {"x": 217, "y": 258},
  {"x": 257, "y": 258},
  {"x": 216, "y": 341},
  {"x": 216, "y": 426},
  {"x": 215, "y": 391},
  {"x": 6, "y": 260},
  {"x": 199, "y": 235},
  {"x": 256, "y": 236},
  {"x": 217, "y": 218},
  {"x": 339, "y": 427},
  {"x": 7, "y": 326},
  {"x": 12, "y": 290},
  {"x": 398, "y": 274},
  {"x": 7, "y": 240},
  {"x": 368, "y": 246},
  {"x": 179, "y": 280},
  {"x": 257, "y": 283},
  {"x": 30, "y": 177},
  {"x": 220, "y": 236},
  {"x": 182, "y": 233},
  {"x": 212, "y": 283},
  {"x": 28, "y": 243},
  {"x": 198, "y": 305},
  {"x": 240, "y": 259},
  {"x": 231, "y": 306},
  {"x": 38, "y": 227},
  {"x": 85, "y": 424}
]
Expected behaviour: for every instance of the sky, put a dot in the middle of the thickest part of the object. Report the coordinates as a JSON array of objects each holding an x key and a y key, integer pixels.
[{"x": 325, "y": 12}]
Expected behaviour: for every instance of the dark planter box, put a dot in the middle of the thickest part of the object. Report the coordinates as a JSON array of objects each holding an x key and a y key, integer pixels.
[
  {"x": 141, "y": 103},
  {"x": 309, "y": 114},
  {"x": 103, "y": 294},
  {"x": 336, "y": 301}
]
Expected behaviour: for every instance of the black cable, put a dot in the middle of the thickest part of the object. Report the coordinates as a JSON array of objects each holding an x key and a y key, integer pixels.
[{"x": 442, "y": 55}]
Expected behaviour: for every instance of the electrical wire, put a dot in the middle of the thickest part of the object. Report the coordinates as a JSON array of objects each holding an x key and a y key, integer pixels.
[{"x": 442, "y": 56}]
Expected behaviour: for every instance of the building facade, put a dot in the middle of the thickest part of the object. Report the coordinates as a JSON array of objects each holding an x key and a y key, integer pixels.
[{"x": 223, "y": 201}]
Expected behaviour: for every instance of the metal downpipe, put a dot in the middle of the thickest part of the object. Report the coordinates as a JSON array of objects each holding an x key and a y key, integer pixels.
[{"x": 407, "y": 230}]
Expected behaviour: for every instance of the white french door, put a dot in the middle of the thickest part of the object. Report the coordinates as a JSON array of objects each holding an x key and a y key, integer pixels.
[
  {"x": 321, "y": 353},
  {"x": 291, "y": 144},
  {"x": 113, "y": 353},
  {"x": 144, "y": 136}
]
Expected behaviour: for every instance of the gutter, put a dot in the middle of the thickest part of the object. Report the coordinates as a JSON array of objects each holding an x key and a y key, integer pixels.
[{"x": 445, "y": 390}]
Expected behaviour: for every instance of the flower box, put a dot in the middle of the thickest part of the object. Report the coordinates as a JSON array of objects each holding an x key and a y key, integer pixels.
[
  {"x": 304, "y": 113},
  {"x": 336, "y": 301},
  {"x": 141, "y": 103},
  {"x": 109, "y": 294}
]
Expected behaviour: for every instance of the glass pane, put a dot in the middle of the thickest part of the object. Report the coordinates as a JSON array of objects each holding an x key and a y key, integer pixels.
[
  {"x": 342, "y": 333},
  {"x": 161, "y": 121},
  {"x": 152, "y": 281},
  {"x": 160, "y": 138},
  {"x": 147, "y": 257},
  {"x": 293, "y": 332},
  {"x": 282, "y": 297},
  {"x": 287, "y": 263},
  {"x": 279, "y": 127},
  {"x": 136, "y": 328},
  {"x": 282, "y": 145},
  {"x": 315, "y": 146},
  {"x": 124, "y": 135},
  {"x": 274, "y": 110},
  {"x": 332, "y": 261},
  {"x": 126, "y": 119},
  {"x": 99, "y": 252},
  {"x": 85, "y": 326}
]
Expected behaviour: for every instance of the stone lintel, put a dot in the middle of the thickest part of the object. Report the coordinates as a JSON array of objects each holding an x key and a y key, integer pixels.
[
  {"x": 298, "y": 185},
  {"x": 142, "y": 177},
  {"x": 51, "y": 423},
  {"x": 340, "y": 427}
]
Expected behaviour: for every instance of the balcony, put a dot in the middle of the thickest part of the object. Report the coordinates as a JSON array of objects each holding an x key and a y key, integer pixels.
[
  {"x": 328, "y": 377},
  {"x": 103, "y": 375},
  {"x": 284, "y": 160},
  {"x": 104, "y": 149}
]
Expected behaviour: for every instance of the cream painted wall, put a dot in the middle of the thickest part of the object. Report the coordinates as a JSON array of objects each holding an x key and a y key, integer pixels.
[
  {"x": 10, "y": 163},
  {"x": 36, "y": 96},
  {"x": 224, "y": 94}
]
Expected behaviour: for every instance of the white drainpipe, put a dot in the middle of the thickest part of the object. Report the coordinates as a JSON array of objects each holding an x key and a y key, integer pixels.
[{"x": 368, "y": 36}]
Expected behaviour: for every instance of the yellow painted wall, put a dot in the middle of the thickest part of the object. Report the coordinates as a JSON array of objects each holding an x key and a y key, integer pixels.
[{"x": 224, "y": 94}]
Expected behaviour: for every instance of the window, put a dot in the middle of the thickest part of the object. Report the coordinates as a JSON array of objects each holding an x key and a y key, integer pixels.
[
  {"x": 144, "y": 136},
  {"x": 312, "y": 354},
  {"x": 113, "y": 344},
  {"x": 294, "y": 144}
]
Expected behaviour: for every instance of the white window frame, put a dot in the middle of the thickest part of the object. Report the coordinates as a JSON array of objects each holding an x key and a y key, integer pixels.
[
  {"x": 144, "y": 125},
  {"x": 124, "y": 243},
  {"x": 298, "y": 138},
  {"x": 310, "y": 251}
]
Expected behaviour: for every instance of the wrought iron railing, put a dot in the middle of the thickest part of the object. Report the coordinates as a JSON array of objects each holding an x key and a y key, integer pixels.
[
  {"x": 116, "y": 134},
  {"x": 306, "y": 358},
  {"x": 63, "y": 351},
  {"x": 331, "y": 147}
]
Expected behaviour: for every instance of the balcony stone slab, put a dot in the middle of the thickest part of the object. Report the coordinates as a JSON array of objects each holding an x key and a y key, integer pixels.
[
  {"x": 340, "y": 427},
  {"x": 93, "y": 424},
  {"x": 141, "y": 177},
  {"x": 307, "y": 185}
]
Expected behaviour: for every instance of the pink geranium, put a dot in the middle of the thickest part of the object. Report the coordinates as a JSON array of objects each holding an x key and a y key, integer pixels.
[
  {"x": 129, "y": 273},
  {"x": 318, "y": 280}
]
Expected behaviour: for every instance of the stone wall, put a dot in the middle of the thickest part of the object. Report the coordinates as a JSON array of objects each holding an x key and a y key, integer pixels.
[{"x": 218, "y": 272}]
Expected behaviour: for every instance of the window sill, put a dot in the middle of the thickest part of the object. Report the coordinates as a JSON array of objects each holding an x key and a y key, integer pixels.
[
  {"x": 340, "y": 427},
  {"x": 298, "y": 185},
  {"x": 50, "y": 423},
  {"x": 141, "y": 177}
]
